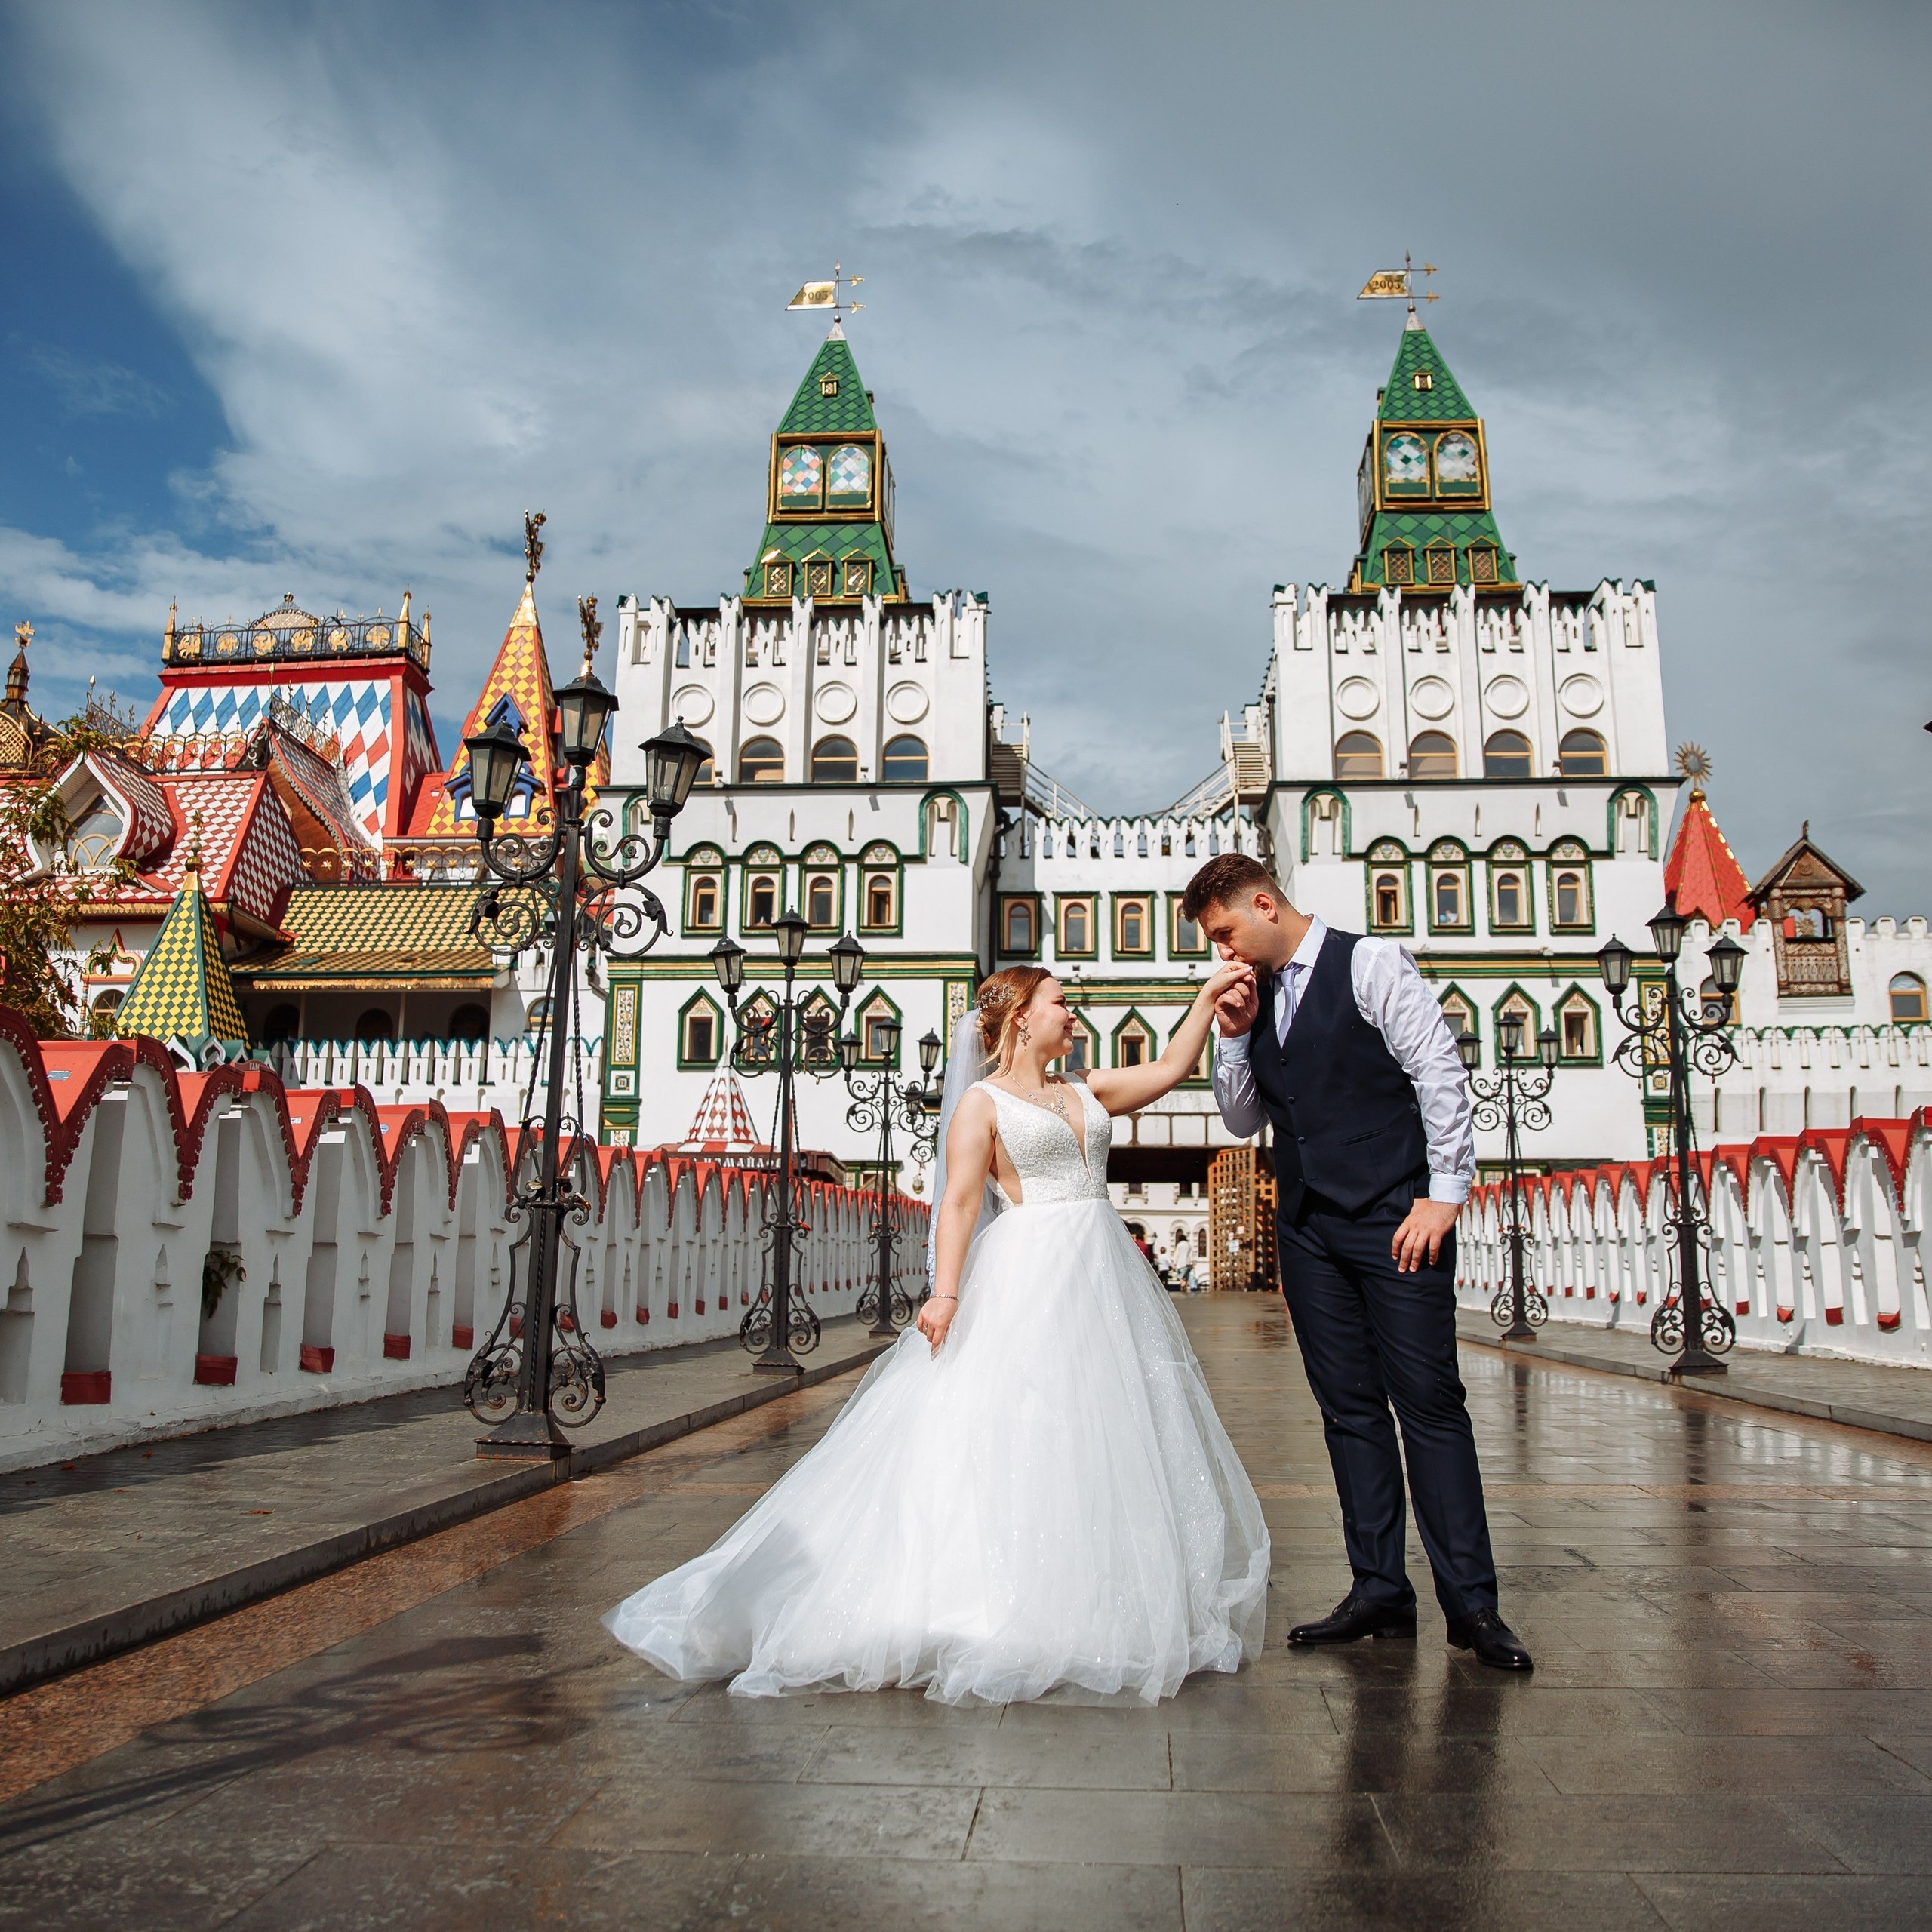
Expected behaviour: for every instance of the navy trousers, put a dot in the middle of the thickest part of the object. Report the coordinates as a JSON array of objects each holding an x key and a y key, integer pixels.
[{"x": 1372, "y": 1338}]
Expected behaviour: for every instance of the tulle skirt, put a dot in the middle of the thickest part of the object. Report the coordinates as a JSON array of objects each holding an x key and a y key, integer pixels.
[{"x": 1050, "y": 1502}]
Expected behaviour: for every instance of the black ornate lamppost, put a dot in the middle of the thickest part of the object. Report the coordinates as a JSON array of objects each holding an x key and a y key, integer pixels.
[
  {"x": 783, "y": 1040},
  {"x": 538, "y": 1367},
  {"x": 1515, "y": 1098},
  {"x": 880, "y": 1101},
  {"x": 1683, "y": 1032}
]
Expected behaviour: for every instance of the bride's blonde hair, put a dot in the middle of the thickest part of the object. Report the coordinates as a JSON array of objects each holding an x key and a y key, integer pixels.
[{"x": 1003, "y": 998}]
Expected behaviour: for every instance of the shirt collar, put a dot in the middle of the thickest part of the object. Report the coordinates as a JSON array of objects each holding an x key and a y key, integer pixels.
[{"x": 1311, "y": 944}]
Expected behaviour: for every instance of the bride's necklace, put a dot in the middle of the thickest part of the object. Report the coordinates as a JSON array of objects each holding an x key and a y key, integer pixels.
[{"x": 1048, "y": 1099}]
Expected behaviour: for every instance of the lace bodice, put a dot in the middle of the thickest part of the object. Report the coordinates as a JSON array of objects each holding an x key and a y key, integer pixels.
[{"x": 1044, "y": 1152}]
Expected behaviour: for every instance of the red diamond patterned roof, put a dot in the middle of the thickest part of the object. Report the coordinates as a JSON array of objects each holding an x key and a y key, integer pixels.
[{"x": 1701, "y": 877}]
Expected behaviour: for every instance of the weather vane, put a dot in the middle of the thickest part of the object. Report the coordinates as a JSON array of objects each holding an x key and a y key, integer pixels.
[
  {"x": 1398, "y": 285},
  {"x": 1693, "y": 762},
  {"x": 593, "y": 628},
  {"x": 533, "y": 545},
  {"x": 23, "y": 634},
  {"x": 826, "y": 295}
]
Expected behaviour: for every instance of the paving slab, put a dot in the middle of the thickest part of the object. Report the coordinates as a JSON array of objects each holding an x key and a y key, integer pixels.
[
  {"x": 115, "y": 1549},
  {"x": 1857, "y": 1395}
]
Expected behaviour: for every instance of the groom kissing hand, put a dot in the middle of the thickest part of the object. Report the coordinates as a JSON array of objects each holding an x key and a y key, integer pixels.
[{"x": 1335, "y": 1041}]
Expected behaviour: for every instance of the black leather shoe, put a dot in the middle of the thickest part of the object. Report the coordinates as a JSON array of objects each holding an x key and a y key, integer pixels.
[
  {"x": 1494, "y": 1643},
  {"x": 1352, "y": 1619}
]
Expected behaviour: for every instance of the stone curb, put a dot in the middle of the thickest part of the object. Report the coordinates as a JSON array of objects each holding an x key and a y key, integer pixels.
[
  {"x": 52, "y": 1654},
  {"x": 1730, "y": 1388}
]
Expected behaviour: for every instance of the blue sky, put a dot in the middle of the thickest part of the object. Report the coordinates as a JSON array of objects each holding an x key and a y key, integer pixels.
[{"x": 319, "y": 300}]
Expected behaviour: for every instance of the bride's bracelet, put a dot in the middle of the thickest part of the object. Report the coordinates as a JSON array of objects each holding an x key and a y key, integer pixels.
[{"x": 942, "y": 1297}]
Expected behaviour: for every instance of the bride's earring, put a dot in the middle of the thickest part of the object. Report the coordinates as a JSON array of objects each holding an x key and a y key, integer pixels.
[{"x": 1024, "y": 1035}]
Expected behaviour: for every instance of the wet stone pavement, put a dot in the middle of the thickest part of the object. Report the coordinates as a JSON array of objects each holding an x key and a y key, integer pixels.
[{"x": 1730, "y": 1723}]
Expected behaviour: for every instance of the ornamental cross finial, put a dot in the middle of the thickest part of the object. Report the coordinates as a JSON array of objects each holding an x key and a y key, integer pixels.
[
  {"x": 194, "y": 861},
  {"x": 533, "y": 545},
  {"x": 593, "y": 628}
]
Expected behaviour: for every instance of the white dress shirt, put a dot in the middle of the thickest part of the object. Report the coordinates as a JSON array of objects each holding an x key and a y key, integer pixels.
[{"x": 1393, "y": 996}]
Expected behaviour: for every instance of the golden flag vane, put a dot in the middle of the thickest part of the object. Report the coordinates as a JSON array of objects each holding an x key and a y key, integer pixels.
[
  {"x": 533, "y": 545},
  {"x": 1398, "y": 285},
  {"x": 826, "y": 295}
]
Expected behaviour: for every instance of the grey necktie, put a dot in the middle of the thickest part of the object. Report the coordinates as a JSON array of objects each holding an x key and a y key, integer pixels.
[{"x": 1284, "y": 1016}]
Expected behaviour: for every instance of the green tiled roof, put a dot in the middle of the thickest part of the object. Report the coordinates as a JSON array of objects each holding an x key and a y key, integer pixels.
[
  {"x": 1442, "y": 401},
  {"x": 1403, "y": 402},
  {"x": 182, "y": 990},
  {"x": 813, "y": 413}
]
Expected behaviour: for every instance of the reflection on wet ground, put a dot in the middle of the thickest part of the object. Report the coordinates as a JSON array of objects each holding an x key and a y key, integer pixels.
[{"x": 1730, "y": 1723}]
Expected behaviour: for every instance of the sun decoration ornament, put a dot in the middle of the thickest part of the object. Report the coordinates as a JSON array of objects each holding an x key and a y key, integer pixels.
[{"x": 1693, "y": 762}]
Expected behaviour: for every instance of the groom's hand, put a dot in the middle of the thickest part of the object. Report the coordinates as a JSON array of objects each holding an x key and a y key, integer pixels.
[
  {"x": 1430, "y": 1223},
  {"x": 1238, "y": 1003}
]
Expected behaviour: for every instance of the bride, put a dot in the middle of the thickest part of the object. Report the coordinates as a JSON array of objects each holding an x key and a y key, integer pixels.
[{"x": 1032, "y": 1490}]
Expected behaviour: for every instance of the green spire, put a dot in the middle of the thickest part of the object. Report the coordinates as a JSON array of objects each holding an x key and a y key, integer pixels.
[
  {"x": 182, "y": 990},
  {"x": 1423, "y": 486},
  {"x": 828, "y": 532}
]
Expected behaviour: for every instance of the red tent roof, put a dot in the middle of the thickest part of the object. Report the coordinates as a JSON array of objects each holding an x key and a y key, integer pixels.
[{"x": 1702, "y": 876}]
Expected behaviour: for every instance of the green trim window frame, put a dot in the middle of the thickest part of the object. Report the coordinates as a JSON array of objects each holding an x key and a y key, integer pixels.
[
  {"x": 877, "y": 1009},
  {"x": 1572, "y": 901},
  {"x": 1186, "y": 940},
  {"x": 1386, "y": 883},
  {"x": 1578, "y": 1030},
  {"x": 881, "y": 890},
  {"x": 704, "y": 892},
  {"x": 1133, "y": 925},
  {"x": 1076, "y": 925},
  {"x": 1135, "y": 1043},
  {"x": 1020, "y": 914},
  {"x": 1460, "y": 1011},
  {"x": 763, "y": 898},
  {"x": 822, "y": 889},
  {"x": 1079, "y": 1056},
  {"x": 1203, "y": 1068},
  {"x": 1515, "y": 1000},
  {"x": 1450, "y": 910},
  {"x": 1512, "y": 908},
  {"x": 700, "y": 1033}
]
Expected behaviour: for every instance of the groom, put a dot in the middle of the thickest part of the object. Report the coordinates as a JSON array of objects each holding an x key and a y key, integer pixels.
[{"x": 1337, "y": 1040}]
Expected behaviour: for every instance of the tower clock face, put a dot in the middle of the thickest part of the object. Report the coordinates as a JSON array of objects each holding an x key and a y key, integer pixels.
[
  {"x": 1456, "y": 458},
  {"x": 1405, "y": 460}
]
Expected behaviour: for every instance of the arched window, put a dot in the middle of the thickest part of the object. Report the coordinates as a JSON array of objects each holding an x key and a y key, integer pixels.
[
  {"x": 699, "y": 1034},
  {"x": 283, "y": 1023},
  {"x": 1357, "y": 755},
  {"x": 762, "y": 900},
  {"x": 762, "y": 761},
  {"x": 1201, "y": 1243},
  {"x": 1019, "y": 935},
  {"x": 377, "y": 1025},
  {"x": 470, "y": 1023},
  {"x": 704, "y": 901},
  {"x": 1576, "y": 1027},
  {"x": 904, "y": 759},
  {"x": 1134, "y": 1044},
  {"x": 834, "y": 761},
  {"x": 1431, "y": 754},
  {"x": 1582, "y": 755},
  {"x": 1505, "y": 755},
  {"x": 95, "y": 833},
  {"x": 1509, "y": 893},
  {"x": 100, "y": 1015},
  {"x": 1908, "y": 991},
  {"x": 879, "y": 889}
]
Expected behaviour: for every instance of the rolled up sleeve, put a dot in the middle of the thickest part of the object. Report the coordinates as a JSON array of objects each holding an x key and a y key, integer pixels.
[{"x": 1235, "y": 1094}]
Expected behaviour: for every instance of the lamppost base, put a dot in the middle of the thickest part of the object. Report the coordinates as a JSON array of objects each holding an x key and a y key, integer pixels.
[
  {"x": 778, "y": 1361},
  {"x": 1518, "y": 1331},
  {"x": 1698, "y": 1361},
  {"x": 528, "y": 1437}
]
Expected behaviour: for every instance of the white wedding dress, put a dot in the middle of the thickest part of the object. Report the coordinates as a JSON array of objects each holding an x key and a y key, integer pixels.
[{"x": 1050, "y": 1501}]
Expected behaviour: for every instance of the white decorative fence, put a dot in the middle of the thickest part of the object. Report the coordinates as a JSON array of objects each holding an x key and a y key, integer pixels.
[
  {"x": 1814, "y": 1248},
  {"x": 471, "y": 1075},
  {"x": 183, "y": 1250}
]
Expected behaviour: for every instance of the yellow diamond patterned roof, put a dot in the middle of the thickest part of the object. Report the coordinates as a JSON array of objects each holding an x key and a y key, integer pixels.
[{"x": 182, "y": 990}]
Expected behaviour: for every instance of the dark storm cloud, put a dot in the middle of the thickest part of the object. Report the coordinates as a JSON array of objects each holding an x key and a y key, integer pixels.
[{"x": 437, "y": 265}]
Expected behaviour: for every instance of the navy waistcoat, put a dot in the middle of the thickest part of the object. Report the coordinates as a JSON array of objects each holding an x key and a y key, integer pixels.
[{"x": 1346, "y": 1119}]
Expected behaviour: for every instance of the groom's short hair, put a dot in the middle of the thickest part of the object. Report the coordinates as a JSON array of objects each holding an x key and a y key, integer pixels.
[{"x": 1232, "y": 878}]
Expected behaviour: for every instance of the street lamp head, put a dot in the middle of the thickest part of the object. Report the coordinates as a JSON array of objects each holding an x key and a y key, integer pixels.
[
  {"x": 1469, "y": 1049},
  {"x": 1547, "y": 1044},
  {"x": 671, "y": 762},
  {"x": 886, "y": 1031},
  {"x": 848, "y": 1051},
  {"x": 1726, "y": 960},
  {"x": 584, "y": 708},
  {"x": 848, "y": 962},
  {"x": 1509, "y": 1035},
  {"x": 728, "y": 962},
  {"x": 790, "y": 929},
  {"x": 1615, "y": 960},
  {"x": 494, "y": 756},
  {"x": 928, "y": 1052},
  {"x": 1667, "y": 933}
]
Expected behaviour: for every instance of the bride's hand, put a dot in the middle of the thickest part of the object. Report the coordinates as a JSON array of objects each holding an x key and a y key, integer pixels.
[
  {"x": 936, "y": 1318},
  {"x": 1231, "y": 973}
]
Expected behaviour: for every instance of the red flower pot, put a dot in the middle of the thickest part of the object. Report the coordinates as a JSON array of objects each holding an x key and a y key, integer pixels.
[
  {"x": 396, "y": 1347},
  {"x": 215, "y": 1371},
  {"x": 316, "y": 1362},
  {"x": 81, "y": 1386}
]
